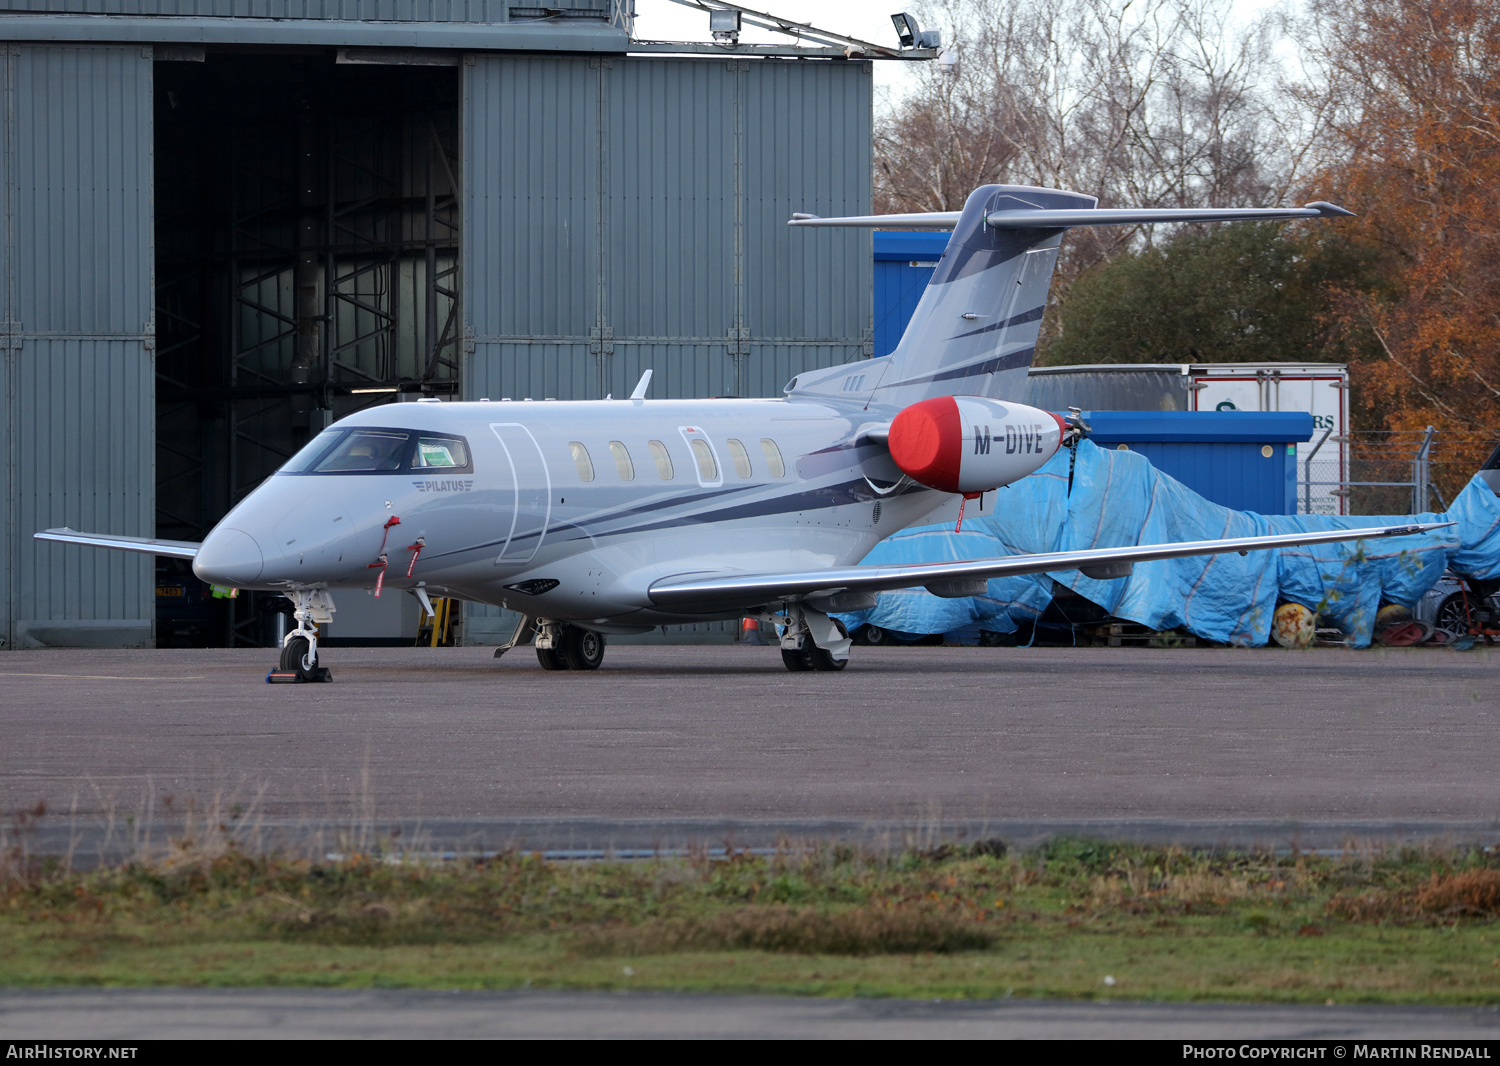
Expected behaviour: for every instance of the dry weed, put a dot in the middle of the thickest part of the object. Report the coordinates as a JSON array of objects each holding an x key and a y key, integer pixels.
[
  {"x": 869, "y": 930},
  {"x": 1468, "y": 893}
]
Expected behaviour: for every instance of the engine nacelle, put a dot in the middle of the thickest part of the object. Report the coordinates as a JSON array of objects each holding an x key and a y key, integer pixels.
[{"x": 971, "y": 444}]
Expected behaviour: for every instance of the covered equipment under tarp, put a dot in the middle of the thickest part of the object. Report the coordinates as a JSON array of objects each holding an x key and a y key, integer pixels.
[{"x": 1119, "y": 498}]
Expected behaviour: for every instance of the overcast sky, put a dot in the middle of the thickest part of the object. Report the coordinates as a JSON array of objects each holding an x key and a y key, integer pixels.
[{"x": 662, "y": 20}]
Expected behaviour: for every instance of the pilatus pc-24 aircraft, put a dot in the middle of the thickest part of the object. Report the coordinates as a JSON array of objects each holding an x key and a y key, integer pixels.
[{"x": 615, "y": 516}]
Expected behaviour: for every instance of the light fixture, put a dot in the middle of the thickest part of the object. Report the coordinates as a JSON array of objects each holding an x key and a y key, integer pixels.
[
  {"x": 366, "y": 392},
  {"x": 725, "y": 26},
  {"x": 906, "y": 29}
]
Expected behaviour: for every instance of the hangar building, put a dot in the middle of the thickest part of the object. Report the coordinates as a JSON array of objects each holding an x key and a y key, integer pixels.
[{"x": 231, "y": 221}]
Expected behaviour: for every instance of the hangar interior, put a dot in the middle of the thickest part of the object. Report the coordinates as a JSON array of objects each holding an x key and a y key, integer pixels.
[
  {"x": 235, "y": 224},
  {"x": 307, "y": 256}
]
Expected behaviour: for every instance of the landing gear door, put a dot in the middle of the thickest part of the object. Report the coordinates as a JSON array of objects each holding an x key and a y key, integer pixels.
[{"x": 532, "y": 492}]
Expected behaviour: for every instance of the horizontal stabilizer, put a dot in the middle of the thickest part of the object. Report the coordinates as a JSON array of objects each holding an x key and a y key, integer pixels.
[
  {"x": 1035, "y": 218},
  {"x": 1109, "y": 216},
  {"x": 175, "y": 549},
  {"x": 700, "y": 591},
  {"x": 919, "y": 220}
]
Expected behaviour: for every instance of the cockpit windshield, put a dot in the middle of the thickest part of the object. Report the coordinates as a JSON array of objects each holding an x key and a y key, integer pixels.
[
  {"x": 365, "y": 451},
  {"x": 369, "y": 450}
]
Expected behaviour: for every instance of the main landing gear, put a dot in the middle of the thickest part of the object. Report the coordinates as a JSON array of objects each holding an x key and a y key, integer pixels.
[
  {"x": 299, "y": 650},
  {"x": 559, "y": 645},
  {"x": 812, "y": 641}
]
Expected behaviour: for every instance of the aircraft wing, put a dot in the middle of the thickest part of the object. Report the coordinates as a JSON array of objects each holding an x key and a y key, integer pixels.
[
  {"x": 176, "y": 549},
  {"x": 956, "y": 578}
]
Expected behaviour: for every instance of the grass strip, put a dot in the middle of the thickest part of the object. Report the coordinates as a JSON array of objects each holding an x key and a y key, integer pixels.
[{"x": 1075, "y": 919}]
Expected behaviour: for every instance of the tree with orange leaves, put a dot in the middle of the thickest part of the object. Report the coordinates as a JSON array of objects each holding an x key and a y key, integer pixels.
[{"x": 1411, "y": 99}]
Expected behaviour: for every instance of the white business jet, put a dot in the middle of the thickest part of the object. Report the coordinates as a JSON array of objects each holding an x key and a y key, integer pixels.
[{"x": 615, "y": 516}]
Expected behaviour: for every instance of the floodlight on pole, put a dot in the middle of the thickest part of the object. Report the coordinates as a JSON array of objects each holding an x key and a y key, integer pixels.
[{"x": 907, "y": 29}]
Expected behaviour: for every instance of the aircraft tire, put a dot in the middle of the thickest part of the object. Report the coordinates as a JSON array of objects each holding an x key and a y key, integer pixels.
[
  {"x": 582, "y": 649},
  {"x": 797, "y": 661},
  {"x": 292, "y": 654},
  {"x": 550, "y": 659},
  {"x": 822, "y": 660}
]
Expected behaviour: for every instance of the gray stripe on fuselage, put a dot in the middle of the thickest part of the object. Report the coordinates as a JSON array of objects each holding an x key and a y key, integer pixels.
[{"x": 673, "y": 501}]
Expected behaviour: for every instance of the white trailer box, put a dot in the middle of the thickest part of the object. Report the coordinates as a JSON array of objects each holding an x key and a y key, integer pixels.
[{"x": 1321, "y": 389}]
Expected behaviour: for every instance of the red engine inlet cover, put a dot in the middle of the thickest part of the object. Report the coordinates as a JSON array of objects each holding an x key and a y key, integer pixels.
[
  {"x": 971, "y": 444},
  {"x": 926, "y": 442}
]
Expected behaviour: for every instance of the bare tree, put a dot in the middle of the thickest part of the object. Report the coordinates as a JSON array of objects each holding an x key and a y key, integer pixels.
[{"x": 1149, "y": 103}]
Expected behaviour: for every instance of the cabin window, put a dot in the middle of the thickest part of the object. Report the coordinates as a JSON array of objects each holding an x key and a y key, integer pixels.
[
  {"x": 773, "y": 457},
  {"x": 708, "y": 470},
  {"x": 663, "y": 460},
  {"x": 366, "y": 450},
  {"x": 623, "y": 464},
  {"x": 740, "y": 456},
  {"x": 439, "y": 453},
  {"x": 581, "y": 460}
]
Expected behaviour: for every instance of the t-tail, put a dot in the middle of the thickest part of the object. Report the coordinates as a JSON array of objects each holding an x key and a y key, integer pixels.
[{"x": 975, "y": 330}]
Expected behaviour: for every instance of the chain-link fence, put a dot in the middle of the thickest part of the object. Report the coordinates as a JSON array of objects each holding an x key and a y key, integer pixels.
[{"x": 1391, "y": 472}]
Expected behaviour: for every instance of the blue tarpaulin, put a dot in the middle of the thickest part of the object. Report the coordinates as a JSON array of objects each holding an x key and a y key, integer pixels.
[{"x": 1119, "y": 498}]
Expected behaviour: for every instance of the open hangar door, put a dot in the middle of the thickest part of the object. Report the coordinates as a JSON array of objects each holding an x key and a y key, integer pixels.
[{"x": 307, "y": 262}]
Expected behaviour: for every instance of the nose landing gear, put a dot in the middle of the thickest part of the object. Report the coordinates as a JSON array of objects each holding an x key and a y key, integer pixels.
[{"x": 299, "y": 651}]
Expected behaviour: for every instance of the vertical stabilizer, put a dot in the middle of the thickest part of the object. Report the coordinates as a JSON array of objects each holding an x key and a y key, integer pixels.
[{"x": 975, "y": 330}]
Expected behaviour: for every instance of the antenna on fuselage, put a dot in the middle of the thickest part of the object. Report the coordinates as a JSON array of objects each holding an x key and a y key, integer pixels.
[{"x": 641, "y": 386}]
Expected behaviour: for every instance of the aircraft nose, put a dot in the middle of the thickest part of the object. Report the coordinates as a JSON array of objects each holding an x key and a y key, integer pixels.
[{"x": 229, "y": 557}]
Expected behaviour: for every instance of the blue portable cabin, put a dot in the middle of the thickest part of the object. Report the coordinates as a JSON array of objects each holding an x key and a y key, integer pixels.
[
  {"x": 1246, "y": 460},
  {"x": 904, "y": 262}
]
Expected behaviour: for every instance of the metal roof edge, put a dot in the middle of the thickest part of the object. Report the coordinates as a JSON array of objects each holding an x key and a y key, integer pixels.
[
  {"x": 170, "y": 29},
  {"x": 1225, "y": 427},
  {"x": 1083, "y": 368}
]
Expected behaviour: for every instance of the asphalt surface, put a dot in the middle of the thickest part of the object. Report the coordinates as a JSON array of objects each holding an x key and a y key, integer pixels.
[
  {"x": 668, "y": 746},
  {"x": 125, "y": 1015}
]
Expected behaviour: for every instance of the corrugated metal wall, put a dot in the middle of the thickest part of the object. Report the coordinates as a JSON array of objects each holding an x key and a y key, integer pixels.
[
  {"x": 626, "y": 213},
  {"x": 482, "y": 11},
  {"x": 79, "y": 396}
]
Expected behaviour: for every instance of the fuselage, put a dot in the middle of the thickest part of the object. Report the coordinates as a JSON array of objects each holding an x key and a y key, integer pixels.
[{"x": 568, "y": 510}]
